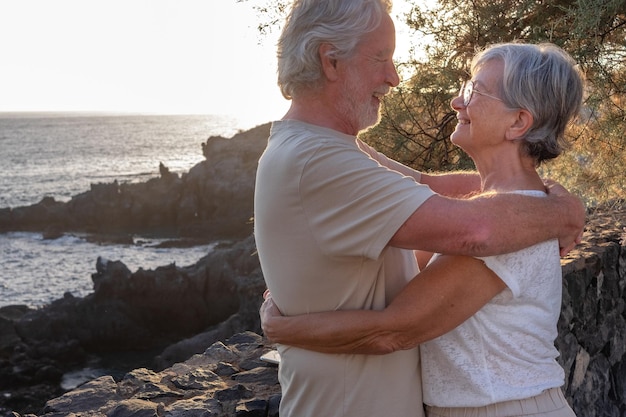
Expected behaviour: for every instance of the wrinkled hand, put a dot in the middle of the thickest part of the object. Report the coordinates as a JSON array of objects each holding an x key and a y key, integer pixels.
[
  {"x": 577, "y": 213},
  {"x": 269, "y": 313}
]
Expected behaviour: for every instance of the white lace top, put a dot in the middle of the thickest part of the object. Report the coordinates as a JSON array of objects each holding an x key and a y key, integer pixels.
[{"x": 506, "y": 350}]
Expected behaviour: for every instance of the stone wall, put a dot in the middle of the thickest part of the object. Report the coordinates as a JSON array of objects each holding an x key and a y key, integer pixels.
[
  {"x": 592, "y": 326},
  {"x": 229, "y": 379}
]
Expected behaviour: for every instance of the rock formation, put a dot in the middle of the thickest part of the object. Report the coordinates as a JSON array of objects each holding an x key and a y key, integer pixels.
[
  {"x": 227, "y": 379},
  {"x": 214, "y": 200},
  {"x": 163, "y": 316},
  {"x": 592, "y": 325}
]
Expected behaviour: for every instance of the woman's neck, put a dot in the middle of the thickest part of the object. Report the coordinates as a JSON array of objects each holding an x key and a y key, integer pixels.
[{"x": 505, "y": 174}]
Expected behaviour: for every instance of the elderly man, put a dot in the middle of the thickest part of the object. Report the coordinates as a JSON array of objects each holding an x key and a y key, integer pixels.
[{"x": 333, "y": 218}]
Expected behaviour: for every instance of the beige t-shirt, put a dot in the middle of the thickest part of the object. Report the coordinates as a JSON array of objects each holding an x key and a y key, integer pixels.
[{"x": 324, "y": 213}]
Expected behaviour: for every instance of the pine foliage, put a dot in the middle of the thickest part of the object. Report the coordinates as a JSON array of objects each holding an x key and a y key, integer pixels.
[{"x": 417, "y": 119}]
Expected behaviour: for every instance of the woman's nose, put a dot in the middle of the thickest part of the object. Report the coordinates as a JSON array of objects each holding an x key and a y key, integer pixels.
[{"x": 457, "y": 103}]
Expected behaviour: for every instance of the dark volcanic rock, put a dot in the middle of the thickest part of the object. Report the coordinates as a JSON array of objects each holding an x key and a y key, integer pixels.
[
  {"x": 145, "y": 310},
  {"x": 150, "y": 308},
  {"x": 195, "y": 387},
  {"x": 142, "y": 311}
]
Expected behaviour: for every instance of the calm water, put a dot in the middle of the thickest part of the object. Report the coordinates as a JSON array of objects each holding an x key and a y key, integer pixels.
[{"x": 60, "y": 156}]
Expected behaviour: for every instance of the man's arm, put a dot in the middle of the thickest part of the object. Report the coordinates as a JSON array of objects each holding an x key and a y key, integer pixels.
[
  {"x": 436, "y": 301},
  {"x": 484, "y": 225},
  {"x": 492, "y": 224},
  {"x": 451, "y": 184}
]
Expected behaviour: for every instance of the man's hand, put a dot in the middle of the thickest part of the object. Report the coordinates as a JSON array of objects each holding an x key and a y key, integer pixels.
[
  {"x": 268, "y": 313},
  {"x": 576, "y": 213}
]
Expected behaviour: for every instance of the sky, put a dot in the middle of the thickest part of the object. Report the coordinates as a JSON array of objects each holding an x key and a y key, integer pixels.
[{"x": 146, "y": 56}]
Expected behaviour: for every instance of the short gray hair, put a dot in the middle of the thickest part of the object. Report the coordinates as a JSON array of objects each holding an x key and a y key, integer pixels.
[
  {"x": 544, "y": 80},
  {"x": 311, "y": 23}
]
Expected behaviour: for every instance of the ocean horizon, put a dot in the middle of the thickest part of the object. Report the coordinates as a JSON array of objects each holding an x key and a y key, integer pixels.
[{"x": 59, "y": 155}]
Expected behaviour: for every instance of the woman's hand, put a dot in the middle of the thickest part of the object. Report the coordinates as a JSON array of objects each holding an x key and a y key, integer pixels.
[{"x": 269, "y": 314}]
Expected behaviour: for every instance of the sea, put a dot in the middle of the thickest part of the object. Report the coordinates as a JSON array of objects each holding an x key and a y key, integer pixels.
[{"x": 60, "y": 155}]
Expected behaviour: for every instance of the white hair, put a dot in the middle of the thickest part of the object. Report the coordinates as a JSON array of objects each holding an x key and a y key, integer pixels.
[{"x": 311, "y": 23}]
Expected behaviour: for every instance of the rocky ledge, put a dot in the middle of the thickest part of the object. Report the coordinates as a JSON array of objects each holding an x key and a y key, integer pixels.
[
  {"x": 227, "y": 379},
  {"x": 151, "y": 318}
]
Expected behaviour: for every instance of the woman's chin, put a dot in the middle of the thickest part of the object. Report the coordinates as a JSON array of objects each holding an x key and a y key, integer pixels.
[{"x": 457, "y": 141}]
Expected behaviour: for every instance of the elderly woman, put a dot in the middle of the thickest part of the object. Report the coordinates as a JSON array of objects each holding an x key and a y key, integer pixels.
[{"x": 486, "y": 325}]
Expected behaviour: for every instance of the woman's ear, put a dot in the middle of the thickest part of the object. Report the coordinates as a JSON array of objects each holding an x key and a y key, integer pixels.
[
  {"x": 522, "y": 122},
  {"x": 329, "y": 62}
]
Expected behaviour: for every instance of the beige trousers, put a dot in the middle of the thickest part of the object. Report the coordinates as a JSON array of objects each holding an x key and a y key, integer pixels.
[{"x": 550, "y": 403}]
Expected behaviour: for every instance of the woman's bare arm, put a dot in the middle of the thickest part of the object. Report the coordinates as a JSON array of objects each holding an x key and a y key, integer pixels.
[
  {"x": 457, "y": 184},
  {"x": 449, "y": 291},
  {"x": 452, "y": 184}
]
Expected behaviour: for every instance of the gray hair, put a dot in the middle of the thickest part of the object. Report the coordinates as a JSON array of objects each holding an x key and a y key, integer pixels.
[
  {"x": 311, "y": 23},
  {"x": 544, "y": 80}
]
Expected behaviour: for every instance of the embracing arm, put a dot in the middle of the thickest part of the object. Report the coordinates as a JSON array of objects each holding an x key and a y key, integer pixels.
[
  {"x": 436, "y": 301},
  {"x": 451, "y": 184},
  {"x": 491, "y": 224},
  {"x": 484, "y": 225}
]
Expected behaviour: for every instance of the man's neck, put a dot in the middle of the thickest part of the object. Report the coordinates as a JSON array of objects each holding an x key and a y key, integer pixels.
[{"x": 317, "y": 112}]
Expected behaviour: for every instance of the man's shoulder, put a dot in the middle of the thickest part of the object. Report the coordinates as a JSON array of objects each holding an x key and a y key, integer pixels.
[
  {"x": 302, "y": 142},
  {"x": 295, "y": 130}
]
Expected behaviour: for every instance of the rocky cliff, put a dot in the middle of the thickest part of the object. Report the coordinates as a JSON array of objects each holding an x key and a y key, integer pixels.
[{"x": 158, "y": 317}]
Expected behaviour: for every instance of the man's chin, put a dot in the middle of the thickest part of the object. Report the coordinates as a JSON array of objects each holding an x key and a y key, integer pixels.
[{"x": 370, "y": 122}]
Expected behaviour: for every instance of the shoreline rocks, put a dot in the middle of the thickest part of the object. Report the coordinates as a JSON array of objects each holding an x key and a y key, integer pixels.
[
  {"x": 227, "y": 379},
  {"x": 169, "y": 314}
]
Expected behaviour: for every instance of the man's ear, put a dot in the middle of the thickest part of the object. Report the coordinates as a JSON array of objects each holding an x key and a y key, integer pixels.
[
  {"x": 522, "y": 122},
  {"x": 329, "y": 62}
]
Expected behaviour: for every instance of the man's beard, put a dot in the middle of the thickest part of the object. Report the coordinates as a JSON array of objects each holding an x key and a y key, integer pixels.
[{"x": 358, "y": 111}]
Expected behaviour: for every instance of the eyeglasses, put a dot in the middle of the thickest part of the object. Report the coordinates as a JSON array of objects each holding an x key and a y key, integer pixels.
[{"x": 467, "y": 90}]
